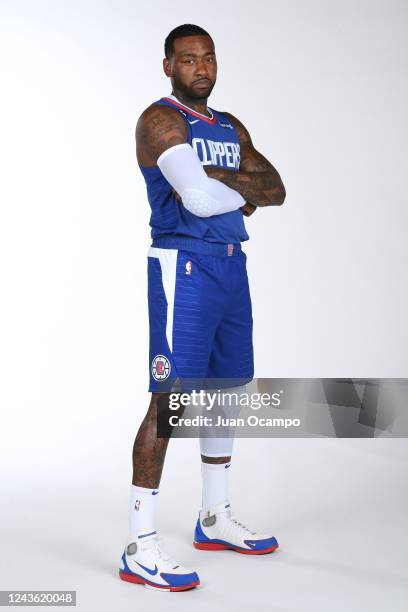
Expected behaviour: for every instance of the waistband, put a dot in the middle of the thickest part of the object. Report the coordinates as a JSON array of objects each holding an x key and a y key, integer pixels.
[{"x": 196, "y": 245}]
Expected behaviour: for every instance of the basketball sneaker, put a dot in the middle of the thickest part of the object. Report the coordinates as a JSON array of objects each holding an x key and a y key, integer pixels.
[
  {"x": 144, "y": 562},
  {"x": 216, "y": 529}
]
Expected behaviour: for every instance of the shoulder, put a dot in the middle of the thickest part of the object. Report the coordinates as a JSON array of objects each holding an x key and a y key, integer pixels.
[
  {"x": 159, "y": 127},
  {"x": 159, "y": 118}
]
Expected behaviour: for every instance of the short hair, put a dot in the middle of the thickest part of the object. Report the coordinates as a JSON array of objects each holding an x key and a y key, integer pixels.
[{"x": 187, "y": 29}]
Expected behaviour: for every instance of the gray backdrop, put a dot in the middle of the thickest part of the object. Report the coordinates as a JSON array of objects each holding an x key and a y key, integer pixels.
[{"x": 322, "y": 88}]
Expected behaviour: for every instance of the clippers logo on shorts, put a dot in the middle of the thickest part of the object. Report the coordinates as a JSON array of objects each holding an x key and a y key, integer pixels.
[{"x": 161, "y": 368}]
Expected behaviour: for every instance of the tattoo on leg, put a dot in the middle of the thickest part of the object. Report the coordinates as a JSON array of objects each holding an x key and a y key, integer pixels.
[{"x": 149, "y": 451}]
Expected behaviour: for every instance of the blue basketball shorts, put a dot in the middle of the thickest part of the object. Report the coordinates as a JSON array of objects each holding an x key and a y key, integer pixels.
[{"x": 200, "y": 316}]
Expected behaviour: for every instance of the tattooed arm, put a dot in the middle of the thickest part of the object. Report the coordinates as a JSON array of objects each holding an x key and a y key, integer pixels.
[
  {"x": 159, "y": 128},
  {"x": 257, "y": 180},
  {"x": 161, "y": 140}
]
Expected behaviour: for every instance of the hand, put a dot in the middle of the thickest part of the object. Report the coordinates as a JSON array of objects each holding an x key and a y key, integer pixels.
[
  {"x": 213, "y": 172},
  {"x": 248, "y": 209},
  {"x": 176, "y": 195}
]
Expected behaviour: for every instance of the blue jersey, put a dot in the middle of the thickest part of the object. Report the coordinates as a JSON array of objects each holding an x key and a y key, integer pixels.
[{"x": 216, "y": 143}]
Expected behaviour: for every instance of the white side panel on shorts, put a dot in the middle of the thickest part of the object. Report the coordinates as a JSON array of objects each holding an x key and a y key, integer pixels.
[{"x": 168, "y": 264}]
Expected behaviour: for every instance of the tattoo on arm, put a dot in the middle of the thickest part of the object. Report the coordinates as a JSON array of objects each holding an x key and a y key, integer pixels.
[
  {"x": 257, "y": 180},
  {"x": 159, "y": 128}
]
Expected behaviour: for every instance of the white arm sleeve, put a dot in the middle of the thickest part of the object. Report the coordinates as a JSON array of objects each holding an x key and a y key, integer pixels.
[{"x": 200, "y": 194}]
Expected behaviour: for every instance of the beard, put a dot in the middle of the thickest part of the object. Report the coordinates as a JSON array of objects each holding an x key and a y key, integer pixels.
[{"x": 189, "y": 92}]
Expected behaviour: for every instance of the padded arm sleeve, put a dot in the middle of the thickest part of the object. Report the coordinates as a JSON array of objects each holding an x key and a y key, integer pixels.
[{"x": 200, "y": 194}]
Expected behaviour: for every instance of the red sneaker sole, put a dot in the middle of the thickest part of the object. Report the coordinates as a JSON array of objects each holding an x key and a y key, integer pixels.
[
  {"x": 139, "y": 580},
  {"x": 216, "y": 546}
]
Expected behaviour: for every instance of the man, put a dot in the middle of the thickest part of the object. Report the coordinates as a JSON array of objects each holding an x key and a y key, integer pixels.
[{"x": 203, "y": 175}]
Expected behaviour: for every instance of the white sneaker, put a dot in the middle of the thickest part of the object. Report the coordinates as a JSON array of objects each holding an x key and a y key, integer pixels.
[
  {"x": 216, "y": 529},
  {"x": 144, "y": 562}
]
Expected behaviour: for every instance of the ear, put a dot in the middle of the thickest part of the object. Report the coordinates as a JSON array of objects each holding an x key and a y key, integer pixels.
[{"x": 166, "y": 67}]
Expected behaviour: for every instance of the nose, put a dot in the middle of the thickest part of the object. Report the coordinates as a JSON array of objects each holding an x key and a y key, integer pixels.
[{"x": 201, "y": 70}]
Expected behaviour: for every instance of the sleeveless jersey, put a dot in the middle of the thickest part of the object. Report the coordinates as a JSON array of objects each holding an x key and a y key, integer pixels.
[{"x": 216, "y": 143}]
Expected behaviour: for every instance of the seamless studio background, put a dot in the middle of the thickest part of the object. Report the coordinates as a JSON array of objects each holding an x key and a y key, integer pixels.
[{"x": 322, "y": 88}]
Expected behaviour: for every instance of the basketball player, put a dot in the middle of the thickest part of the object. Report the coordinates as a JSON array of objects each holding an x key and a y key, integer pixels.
[{"x": 203, "y": 175}]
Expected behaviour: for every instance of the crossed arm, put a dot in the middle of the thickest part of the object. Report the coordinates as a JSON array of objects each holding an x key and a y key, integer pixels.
[{"x": 257, "y": 181}]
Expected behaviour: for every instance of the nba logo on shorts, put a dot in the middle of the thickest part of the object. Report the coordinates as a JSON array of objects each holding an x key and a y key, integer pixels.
[
  {"x": 189, "y": 267},
  {"x": 230, "y": 249},
  {"x": 161, "y": 368}
]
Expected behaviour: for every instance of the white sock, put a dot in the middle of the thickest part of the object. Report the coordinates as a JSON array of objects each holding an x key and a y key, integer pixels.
[
  {"x": 142, "y": 509},
  {"x": 215, "y": 483}
]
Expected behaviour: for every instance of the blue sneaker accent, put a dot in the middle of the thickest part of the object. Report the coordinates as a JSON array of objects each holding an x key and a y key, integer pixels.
[
  {"x": 148, "y": 570},
  {"x": 125, "y": 565},
  {"x": 199, "y": 536},
  {"x": 173, "y": 580},
  {"x": 261, "y": 544},
  {"x": 180, "y": 579},
  {"x": 155, "y": 492}
]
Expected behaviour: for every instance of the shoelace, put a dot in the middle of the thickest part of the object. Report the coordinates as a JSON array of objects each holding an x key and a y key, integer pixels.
[
  {"x": 243, "y": 526},
  {"x": 229, "y": 527},
  {"x": 154, "y": 545}
]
